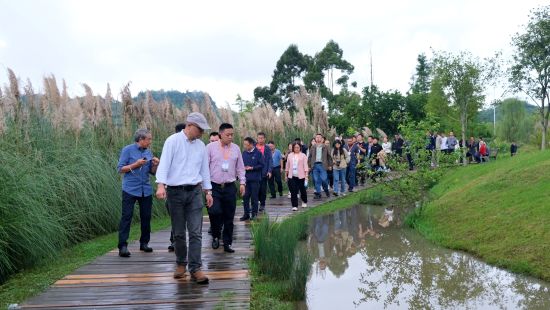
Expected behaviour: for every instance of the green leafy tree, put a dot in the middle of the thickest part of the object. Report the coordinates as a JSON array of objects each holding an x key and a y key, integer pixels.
[
  {"x": 343, "y": 111},
  {"x": 530, "y": 72},
  {"x": 515, "y": 123},
  {"x": 289, "y": 69},
  {"x": 383, "y": 109},
  {"x": 462, "y": 79}
]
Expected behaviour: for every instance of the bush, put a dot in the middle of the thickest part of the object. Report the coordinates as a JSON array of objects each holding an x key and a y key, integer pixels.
[
  {"x": 277, "y": 255},
  {"x": 372, "y": 197}
]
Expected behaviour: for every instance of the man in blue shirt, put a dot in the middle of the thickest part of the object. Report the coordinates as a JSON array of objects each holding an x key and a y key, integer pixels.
[
  {"x": 277, "y": 168},
  {"x": 136, "y": 163}
]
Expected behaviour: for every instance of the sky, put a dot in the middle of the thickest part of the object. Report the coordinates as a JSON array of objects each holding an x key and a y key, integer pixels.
[{"x": 227, "y": 48}]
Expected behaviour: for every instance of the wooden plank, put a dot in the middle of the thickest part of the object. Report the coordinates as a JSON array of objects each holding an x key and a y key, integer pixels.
[{"x": 144, "y": 280}]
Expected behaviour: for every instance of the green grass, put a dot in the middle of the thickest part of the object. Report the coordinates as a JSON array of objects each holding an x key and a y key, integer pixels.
[
  {"x": 32, "y": 281},
  {"x": 57, "y": 190},
  {"x": 279, "y": 270},
  {"x": 499, "y": 211}
]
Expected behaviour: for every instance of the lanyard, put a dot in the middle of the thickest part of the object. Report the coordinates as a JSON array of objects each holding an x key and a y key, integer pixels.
[{"x": 226, "y": 151}]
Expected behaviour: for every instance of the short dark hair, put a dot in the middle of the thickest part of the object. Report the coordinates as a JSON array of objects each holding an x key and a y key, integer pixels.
[
  {"x": 261, "y": 133},
  {"x": 318, "y": 134},
  {"x": 214, "y": 134},
  {"x": 180, "y": 127},
  {"x": 249, "y": 140},
  {"x": 357, "y": 135},
  {"x": 225, "y": 126},
  {"x": 294, "y": 145},
  {"x": 297, "y": 140},
  {"x": 371, "y": 136},
  {"x": 271, "y": 142}
]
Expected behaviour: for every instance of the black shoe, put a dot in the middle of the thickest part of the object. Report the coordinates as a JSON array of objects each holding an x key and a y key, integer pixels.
[
  {"x": 316, "y": 196},
  {"x": 273, "y": 197},
  {"x": 262, "y": 209},
  {"x": 280, "y": 194},
  {"x": 145, "y": 248},
  {"x": 335, "y": 194},
  {"x": 351, "y": 191},
  {"x": 328, "y": 194},
  {"x": 215, "y": 243},
  {"x": 123, "y": 252},
  {"x": 171, "y": 248},
  {"x": 244, "y": 218},
  {"x": 209, "y": 230},
  {"x": 227, "y": 248}
]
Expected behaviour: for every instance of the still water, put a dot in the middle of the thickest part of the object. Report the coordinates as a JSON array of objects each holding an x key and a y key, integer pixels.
[{"x": 364, "y": 258}]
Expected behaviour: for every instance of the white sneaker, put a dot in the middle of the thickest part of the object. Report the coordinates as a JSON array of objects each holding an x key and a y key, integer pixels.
[
  {"x": 304, "y": 205},
  {"x": 294, "y": 209},
  {"x": 289, "y": 195}
]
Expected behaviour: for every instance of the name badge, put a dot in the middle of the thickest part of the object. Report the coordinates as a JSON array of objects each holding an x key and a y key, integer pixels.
[{"x": 225, "y": 166}]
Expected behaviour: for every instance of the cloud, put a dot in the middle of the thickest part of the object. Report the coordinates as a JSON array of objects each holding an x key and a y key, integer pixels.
[{"x": 230, "y": 47}]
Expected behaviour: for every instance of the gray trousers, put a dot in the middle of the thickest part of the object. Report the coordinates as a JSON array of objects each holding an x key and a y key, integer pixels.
[{"x": 185, "y": 204}]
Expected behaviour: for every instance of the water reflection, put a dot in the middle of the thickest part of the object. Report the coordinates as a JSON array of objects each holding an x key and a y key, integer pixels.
[{"x": 366, "y": 259}]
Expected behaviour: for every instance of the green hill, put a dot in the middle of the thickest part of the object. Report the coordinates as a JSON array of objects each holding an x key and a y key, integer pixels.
[
  {"x": 499, "y": 211},
  {"x": 179, "y": 99}
]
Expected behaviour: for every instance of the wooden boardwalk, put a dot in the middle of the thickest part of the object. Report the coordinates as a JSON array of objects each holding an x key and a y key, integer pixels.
[{"x": 144, "y": 281}]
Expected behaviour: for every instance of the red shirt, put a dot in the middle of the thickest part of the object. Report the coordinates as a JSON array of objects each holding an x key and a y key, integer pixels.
[{"x": 261, "y": 148}]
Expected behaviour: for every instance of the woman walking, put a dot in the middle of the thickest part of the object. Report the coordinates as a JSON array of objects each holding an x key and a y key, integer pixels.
[
  {"x": 296, "y": 174},
  {"x": 340, "y": 159}
]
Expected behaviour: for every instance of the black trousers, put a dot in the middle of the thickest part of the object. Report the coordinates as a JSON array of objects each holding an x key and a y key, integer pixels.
[
  {"x": 262, "y": 194},
  {"x": 297, "y": 185},
  {"x": 145, "y": 207},
  {"x": 171, "y": 230},
  {"x": 222, "y": 211},
  {"x": 275, "y": 179},
  {"x": 251, "y": 197}
]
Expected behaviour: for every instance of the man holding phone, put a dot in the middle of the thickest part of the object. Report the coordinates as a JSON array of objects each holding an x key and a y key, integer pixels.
[{"x": 136, "y": 162}]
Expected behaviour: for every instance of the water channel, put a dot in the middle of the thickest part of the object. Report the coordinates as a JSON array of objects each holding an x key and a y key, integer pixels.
[{"x": 365, "y": 258}]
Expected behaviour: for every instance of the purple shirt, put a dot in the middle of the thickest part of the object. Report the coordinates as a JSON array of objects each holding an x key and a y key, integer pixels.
[{"x": 230, "y": 154}]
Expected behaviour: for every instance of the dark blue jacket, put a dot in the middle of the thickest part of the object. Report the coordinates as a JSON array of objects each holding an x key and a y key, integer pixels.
[
  {"x": 268, "y": 162},
  {"x": 254, "y": 159}
]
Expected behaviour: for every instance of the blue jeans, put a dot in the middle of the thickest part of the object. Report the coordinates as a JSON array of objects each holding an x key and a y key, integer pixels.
[
  {"x": 339, "y": 179},
  {"x": 320, "y": 177},
  {"x": 351, "y": 177}
]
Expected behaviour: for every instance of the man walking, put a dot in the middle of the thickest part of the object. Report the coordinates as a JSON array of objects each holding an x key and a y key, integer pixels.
[
  {"x": 226, "y": 164},
  {"x": 136, "y": 162},
  {"x": 320, "y": 160},
  {"x": 266, "y": 172},
  {"x": 253, "y": 165},
  {"x": 179, "y": 127},
  {"x": 277, "y": 169},
  {"x": 182, "y": 175}
]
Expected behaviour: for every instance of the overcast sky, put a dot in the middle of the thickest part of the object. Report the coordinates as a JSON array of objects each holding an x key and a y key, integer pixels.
[{"x": 229, "y": 47}]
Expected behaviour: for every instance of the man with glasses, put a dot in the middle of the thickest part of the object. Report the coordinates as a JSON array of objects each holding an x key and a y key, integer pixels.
[{"x": 182, "y": 175}]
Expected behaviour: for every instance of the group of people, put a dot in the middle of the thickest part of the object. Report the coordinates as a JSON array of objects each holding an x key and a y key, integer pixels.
[{"x": 190, "y": 174}]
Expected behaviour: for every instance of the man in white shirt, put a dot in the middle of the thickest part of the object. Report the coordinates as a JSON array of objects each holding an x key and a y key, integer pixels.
[{"x": 182, "y": 175}]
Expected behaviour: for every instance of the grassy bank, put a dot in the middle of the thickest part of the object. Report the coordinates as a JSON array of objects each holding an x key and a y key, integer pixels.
[
  {"x": 279, "y": 269},
  {"x": 498, "y": 211},
  {"x": 30, "y": 282}
]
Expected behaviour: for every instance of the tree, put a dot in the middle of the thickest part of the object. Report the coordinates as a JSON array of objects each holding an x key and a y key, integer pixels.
[
  {"x": 421, "y": 80},
  {"x": 462, "y": 79},
  {"x": 378, "y": 107},
  {"x": 514, "y": 124},
  {"x": 530, "y": 72},
  {"x": 290, "y": 67},
  {"x": 329, "y": 59}
]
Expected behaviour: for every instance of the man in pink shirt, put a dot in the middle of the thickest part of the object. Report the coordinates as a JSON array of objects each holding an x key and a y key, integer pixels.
[{"x": 226, "y": 164}]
